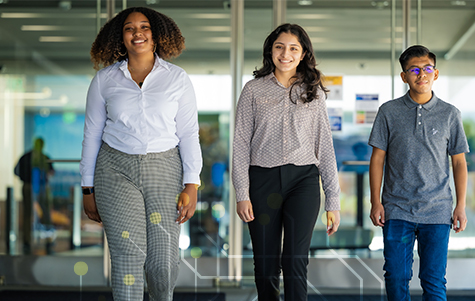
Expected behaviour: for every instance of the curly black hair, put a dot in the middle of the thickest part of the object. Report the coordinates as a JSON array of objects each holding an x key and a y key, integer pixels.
[
  {"x": 108, "y": 45},
  {"x": 307, "y": 73}
]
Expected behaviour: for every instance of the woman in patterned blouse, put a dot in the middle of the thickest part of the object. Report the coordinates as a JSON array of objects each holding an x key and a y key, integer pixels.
[{"x": 282, "y": 146}]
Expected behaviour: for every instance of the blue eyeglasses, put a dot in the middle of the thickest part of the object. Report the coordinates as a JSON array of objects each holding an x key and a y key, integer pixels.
[{"x": 417, "y": 70}]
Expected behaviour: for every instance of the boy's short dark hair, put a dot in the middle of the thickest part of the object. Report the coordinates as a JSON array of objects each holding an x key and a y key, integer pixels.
[{"x": 415, "y": 51}]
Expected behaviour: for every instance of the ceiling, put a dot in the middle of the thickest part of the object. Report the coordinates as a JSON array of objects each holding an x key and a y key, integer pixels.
[{"x": 53, "y": 30}]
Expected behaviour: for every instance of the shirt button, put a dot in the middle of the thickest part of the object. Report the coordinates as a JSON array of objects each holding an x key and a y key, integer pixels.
[
  {"x": 420, "y": 107},
  {"x": 420, "y": 114},
  {"x": 419, "y": 123}
]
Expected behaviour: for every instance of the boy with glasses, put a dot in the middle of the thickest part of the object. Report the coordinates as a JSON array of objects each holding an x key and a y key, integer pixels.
[{"x": 412, "y": 138}]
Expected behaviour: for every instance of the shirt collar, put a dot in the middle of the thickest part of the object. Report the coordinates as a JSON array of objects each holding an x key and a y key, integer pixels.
[
  {"x": 157, "y": 64},
  {"x": 410, "y": 103}
]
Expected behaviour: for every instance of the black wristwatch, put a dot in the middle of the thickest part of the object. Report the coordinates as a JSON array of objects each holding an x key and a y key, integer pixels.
[{"x": 88, "y": 190}]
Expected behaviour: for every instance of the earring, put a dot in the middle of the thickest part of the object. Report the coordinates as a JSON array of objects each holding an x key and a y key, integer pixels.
[
  {"x": 154, "y": 47},
  {"x": 122, "y": 54}
]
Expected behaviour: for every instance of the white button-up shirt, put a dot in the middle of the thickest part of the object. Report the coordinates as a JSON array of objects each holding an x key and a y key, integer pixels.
[{"x": 156, "y": 118}]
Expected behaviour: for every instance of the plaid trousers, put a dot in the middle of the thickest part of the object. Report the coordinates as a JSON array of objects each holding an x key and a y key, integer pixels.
[{"x": 136, "y": 196}]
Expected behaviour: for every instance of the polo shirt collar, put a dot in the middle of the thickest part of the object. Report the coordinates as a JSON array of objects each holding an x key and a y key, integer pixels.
[{"x": 410, "y": 103}]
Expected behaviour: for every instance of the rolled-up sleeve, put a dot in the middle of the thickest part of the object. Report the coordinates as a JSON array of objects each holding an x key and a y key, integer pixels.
[
  {"x": 94, "y": 124},
  {"x": 326, "y": 157},
  {"x": 243, "y": 131},
  {"x": 187, "y": 129}
]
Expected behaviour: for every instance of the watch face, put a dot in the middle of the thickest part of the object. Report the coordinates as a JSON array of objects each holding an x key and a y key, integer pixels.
[{"x": 87, "y": 191}]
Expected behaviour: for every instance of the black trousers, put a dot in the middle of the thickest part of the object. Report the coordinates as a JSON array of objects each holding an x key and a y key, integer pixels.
[{"x": 285, "y": 197}]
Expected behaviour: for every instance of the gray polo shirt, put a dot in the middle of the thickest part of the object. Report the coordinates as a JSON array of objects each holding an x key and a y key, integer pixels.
[{"x": 418, "y": 140}]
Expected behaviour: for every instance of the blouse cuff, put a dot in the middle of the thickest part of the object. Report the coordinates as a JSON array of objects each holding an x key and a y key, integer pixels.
[
  {"x": 242, "y": 195},
  {"x": 332, "y": 204},
  {"x": 87, "y": 181},
  {"x": 191, "y": 178}
]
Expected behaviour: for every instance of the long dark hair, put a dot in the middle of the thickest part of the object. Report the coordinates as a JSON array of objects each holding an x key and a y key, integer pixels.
[
  {"x": 108, "y": 46},
  {"x": 307, "y": 73}
]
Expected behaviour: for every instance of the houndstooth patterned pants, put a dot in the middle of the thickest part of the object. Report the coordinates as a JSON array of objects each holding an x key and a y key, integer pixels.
[{"x": 136, "y": 199}]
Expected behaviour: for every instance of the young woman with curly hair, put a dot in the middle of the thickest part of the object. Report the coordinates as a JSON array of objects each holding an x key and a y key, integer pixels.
[
  {"x": 282, "y": 146},
  {"x": 141, "y": 157}
]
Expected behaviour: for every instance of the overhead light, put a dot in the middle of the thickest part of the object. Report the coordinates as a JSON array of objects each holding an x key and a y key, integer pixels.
[
  {"x": 458, "y": 3},
  {"x": 315, "y": 29},
  {"x": 209, "y": 16},
  {"x": 311, "y": 16},
  {"x": 50, "y": 16},
  {"x": 151, "y": 2},
  {"x": 212, "y": 28},
  {"x": 305, "y": 2},
  {"x": 217, "y": 39},
  {"x": 65, "y": 5},
  {"x": 3, "y": 1},
  {"x": 56, "y": 28},
  {"x": 58, "y": 39},
  {"x": 380, "y": 4}
]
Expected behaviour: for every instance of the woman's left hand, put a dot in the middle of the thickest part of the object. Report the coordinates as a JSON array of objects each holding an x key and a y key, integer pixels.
[
  {"x": 187, "y": 203},
  {"x": 333, "y": 221}
]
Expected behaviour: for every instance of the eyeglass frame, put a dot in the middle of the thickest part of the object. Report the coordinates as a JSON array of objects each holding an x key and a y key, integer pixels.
[{"x": 421, "y": 69}]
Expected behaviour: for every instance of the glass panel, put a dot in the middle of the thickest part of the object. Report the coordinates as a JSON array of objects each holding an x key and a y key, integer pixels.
[
  {"x": 455, "y": 50},
  {"x": 46, "y": 71},
  {"x": 257, "y": 26},
  {"x": 206, "y": 60}
]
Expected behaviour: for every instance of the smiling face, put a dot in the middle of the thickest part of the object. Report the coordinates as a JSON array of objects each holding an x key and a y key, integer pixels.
[
  {"x": 286, "y": 54},
  {"x": 137, "y": 34},
  {"x": 420, "y": 84}
]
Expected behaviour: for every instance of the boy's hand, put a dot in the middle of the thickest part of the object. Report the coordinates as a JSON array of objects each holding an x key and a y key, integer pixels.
[
  {"x": 377, "y": 214},
  {"x": 460, "y": 220}
]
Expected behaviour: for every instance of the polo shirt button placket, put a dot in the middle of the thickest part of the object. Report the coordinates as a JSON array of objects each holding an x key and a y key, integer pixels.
[{"x": 419, "y": 118}]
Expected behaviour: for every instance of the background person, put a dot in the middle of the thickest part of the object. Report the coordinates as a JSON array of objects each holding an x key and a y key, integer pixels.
[
  {"x": 412, "y": 138},
  {"x": 282, "y": 145},
  {"x": 141, "y": 153},
  {"x": 34, "y": 170}
]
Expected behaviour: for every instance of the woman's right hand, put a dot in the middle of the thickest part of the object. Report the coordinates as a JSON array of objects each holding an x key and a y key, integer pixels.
[
  {"x": 244, "y": 210},
  {"x": 90, "y": 208}
]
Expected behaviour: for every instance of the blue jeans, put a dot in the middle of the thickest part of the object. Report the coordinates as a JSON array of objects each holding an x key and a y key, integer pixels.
[{"x": 432, "y": 246}]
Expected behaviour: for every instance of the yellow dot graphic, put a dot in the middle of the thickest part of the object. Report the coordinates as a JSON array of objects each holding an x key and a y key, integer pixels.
[
  {"x": 264, "y": 219},
  {"x": 324, "y": 217},
  {"x": 185, "y": 198},
  {"x": 80, "y": 268},
  {"x": 196, "y": 252},
  {"x": 274, "y": 200},
  {"x": 218, "y": 211},
  {"x": 177, "y": 198},
  {"x": 129, "y": 279},
  {"x": 202, "y": 186},
  {"x": 155, "y": 218},
  {"x": 125, "y": 234}
]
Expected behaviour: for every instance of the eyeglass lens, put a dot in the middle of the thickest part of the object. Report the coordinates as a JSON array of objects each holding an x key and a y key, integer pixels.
[{"x": 426, "y": 69}]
